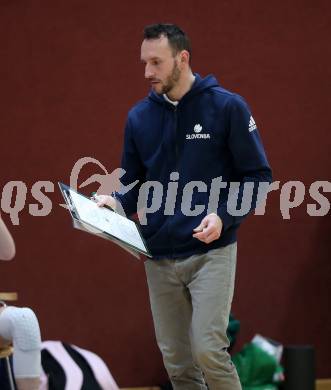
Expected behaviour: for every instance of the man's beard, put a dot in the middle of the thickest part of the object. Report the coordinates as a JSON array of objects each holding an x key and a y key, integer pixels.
[{"x": 171, "y": 80}]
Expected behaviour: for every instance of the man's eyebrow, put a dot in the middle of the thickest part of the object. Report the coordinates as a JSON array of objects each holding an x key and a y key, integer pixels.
[{"x": 150, "y": 59}]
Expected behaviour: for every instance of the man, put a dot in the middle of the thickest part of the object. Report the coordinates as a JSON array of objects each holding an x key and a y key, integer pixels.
[{"x": 194, "y": 138}]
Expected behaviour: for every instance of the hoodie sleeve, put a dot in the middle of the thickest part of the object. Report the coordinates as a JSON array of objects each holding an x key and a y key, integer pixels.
[
  {"x": 250, "y": 162},
  {"x": 134, "y": 172}
]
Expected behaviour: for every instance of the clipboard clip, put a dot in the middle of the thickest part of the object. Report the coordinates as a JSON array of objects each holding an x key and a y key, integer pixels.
[{"x": 68, "y": 199}]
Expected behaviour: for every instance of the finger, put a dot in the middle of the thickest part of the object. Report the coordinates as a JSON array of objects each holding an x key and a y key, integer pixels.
[
  {"x": 101, "y": 200},
  {"x": 207, "y": 235},
  {"x": 208, "y": 230},
  {"x": 211, "y": 238},
  {"x": 197, "y": 235},
  {"x": 204, "y": 233},
  {"x": 200, "y": 236},
  {"x": 198, "y": 228},
  {"x": 202, "y": 225}
]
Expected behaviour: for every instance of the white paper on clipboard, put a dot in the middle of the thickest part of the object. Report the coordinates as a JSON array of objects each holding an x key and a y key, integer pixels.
[{"x": 107, "y": 221}]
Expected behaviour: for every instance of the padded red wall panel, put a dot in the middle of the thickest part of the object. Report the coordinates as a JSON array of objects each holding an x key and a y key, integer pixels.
[{"x": 70, "y": 70}]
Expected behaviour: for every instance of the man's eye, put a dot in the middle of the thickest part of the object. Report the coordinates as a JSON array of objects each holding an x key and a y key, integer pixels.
[{"x": 156, "y": 63}]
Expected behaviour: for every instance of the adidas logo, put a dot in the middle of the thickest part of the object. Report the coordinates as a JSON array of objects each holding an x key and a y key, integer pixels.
[
  {"x": 252, "y": 125},
  {"x": 197, "y": 128}
]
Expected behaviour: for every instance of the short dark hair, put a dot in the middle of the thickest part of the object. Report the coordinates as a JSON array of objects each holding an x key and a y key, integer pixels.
[{"x": 177, "y": 38}]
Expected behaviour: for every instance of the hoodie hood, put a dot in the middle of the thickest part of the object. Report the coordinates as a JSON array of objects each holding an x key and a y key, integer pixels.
[{"x": 200, "y": 84}]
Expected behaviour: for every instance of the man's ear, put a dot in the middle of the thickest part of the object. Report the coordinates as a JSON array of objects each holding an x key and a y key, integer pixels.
[{"x": 184, "y": 57}]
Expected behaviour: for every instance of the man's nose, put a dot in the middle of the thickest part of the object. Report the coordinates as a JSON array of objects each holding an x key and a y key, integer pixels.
[{"x": 148, "y": 72}]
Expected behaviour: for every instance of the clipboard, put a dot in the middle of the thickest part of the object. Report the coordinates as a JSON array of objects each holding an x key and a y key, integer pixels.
[{"x": 104, "y": 222}]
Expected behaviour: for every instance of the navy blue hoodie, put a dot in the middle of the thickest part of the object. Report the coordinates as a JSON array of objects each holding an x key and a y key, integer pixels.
[{"x": 209, "y": 137}]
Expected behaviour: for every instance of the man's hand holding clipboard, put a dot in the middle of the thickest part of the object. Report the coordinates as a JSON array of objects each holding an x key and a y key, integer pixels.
[
  {"x": 105, "y": 200},
  {"x": 102, "y": 220}
]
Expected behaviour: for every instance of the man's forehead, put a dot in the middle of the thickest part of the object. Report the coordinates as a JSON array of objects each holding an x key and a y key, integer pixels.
[{"x": 155, "y": 47}]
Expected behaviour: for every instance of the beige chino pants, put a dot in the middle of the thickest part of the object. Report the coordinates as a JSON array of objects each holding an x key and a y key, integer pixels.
[{"x": 190, "y": 301}]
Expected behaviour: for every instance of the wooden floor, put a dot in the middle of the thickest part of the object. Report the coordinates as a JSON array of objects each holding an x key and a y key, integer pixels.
[
  {"x": 141, "y": 388},
  {"x": 321, "y": 384}
]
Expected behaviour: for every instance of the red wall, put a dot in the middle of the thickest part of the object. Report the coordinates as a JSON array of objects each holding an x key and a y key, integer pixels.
[{"x": 70, "y": 70}]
